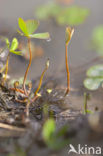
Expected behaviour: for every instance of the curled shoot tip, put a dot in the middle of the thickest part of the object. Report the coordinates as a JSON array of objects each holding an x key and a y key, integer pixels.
[
  {"x": 41, "y": 78},
  {"x": 68, "y": 34}
]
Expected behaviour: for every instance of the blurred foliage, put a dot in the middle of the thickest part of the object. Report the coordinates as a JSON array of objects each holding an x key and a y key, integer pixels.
[
  {"x": 28, "y": 27},
  {"x": 18, "y": 152},
  {"x": 94, "y": 77},
  {"x": 97, "y": 39},
  {"x": 20, "y": 80},
  {"x": 73, "y": 15},
  {"x": 54, "y": 139}
]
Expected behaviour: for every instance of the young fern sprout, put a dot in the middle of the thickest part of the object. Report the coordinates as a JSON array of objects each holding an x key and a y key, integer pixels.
[
  {"x": 68, "y": 35},
  {"x": 28, "y": 28},
  {"x": 12, "y": 49},
  {"x": 41, "y": 78}
]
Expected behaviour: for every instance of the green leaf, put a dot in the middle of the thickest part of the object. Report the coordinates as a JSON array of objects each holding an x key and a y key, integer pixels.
[
  {"x": 41, "y": 36},
  {"x": 97, "y": 39},
  {"x": 48, "y": 129},
  {"x": 31, "y": 25},
  {"x": 27, "y": 27},
  {"x": 14, "y": 44},
  {"x": 95, "y": 71},
  {"x": 22, "y": 26},
  {"x": 93, "y": 83},
  {"x": 7, "y": 42},
  {"x": 16, "y": 52},
  {"x": 72, "y": 16}
]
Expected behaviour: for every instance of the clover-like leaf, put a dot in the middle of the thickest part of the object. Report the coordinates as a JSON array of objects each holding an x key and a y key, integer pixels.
[
  {"x": 95, "y": 77},
  {"x": 22, "y": 26},
  {"x": 31, "y": 25},
  {"x": 28, "y": 27},
  {"x": 41, "y": 35},
  {"x": 97, "y": 39},
  {"x": 95, "y": 71},
  {"x": 72, "y": 16},
  {"x": 93, "y": 83},
  {"x": 14, "y": 44}
]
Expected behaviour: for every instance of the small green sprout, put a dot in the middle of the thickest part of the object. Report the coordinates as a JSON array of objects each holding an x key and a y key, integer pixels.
[
  {"x": 27, "y": 29},
  {"x": 86, "y": 98},
  {"x": 94, "y": 77},
  {"x": 12, "y": 48},
  {"x": 53, "y": 138}
]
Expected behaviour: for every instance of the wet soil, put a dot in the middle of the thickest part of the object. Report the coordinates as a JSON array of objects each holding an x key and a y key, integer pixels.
[{"x": 26, "y": 132}]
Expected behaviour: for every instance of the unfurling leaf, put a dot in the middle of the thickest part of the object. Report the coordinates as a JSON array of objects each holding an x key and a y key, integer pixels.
[
  {"x": 14, "y": 44},
  {"x": 68, "y": 34}
]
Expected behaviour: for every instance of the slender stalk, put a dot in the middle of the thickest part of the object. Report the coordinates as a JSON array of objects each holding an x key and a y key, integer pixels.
[
  {"x": 28, "y": 105},
  {"x": 67, "y": 69},
  {"x": 68, "y": 35},
  {"x": 30, "y": 60},
  {"x": 85, "y": 103},
  {"x": 6, "y": 70},
  {"x": 41, "y": 78}
]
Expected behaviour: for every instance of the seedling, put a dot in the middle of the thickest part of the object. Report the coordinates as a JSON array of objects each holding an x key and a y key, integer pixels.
[
  {"x": 68, "y": 35},
  {"x": 53, "y": 138},
  {"x": 86, "y": 98},
  {"x": 27, "y": 29},
  {"x": 12, "y": 49}
]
